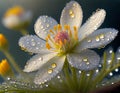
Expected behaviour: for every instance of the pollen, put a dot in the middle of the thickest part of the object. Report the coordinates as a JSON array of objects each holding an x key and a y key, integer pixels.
[{"x": 16, "y": 10}]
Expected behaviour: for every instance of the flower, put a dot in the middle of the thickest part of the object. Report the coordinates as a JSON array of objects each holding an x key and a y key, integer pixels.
[
  {"x": 16, "y": 18},
  {"x": 5, "y": 69},
  {"x": 3, "y": 42},
  {"x": 65, "y": 41}
]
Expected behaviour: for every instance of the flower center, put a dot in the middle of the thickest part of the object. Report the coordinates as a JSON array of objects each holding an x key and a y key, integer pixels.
[
  {"x": 61, "y": 37},
  {"x": 62, "y": 40}
]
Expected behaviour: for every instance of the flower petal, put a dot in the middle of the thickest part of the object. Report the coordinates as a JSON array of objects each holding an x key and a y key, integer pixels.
[
  {"x": 92, "y": 24},
  {"x": 99, "y": 38},
  {"x": 38, "y": 61},
  {"x": 43, "y": 25},
  {"x": 49, "y": 70},
  {"x": 71, "y": 15},
  {"x": 33, "y": 44},
  {"x": 85, "y": 60}
]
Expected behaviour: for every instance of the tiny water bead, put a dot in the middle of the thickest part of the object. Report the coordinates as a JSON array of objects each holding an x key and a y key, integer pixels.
[
  {"x": 50, "y": 71},
  {"x": 54, "y": 65}
]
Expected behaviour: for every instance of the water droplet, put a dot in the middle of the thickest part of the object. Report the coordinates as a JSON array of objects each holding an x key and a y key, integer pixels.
[
  {"x": 54, "y": 65},
  {"x": 116, "y": 70},
  {"x": 33, "y": 43},
  {"x": 109, "y": 61},
  {"x": 48, "y": 25},
  {"x": 88, "y": 75},
  {"x": 40, "y": 59},
  {"x": 85, "y": 59},
  {"x": 102, "y": 36},
  {"x": 97, "y": 38},
  {"x": 46, "y": 85},
  {"x": 71, "y": 14},
  {"x": 58, "y": 77},
  {"x": 110, "y": 51},
  {"x": 87, "y": 63},
  {"x": 89, "y": 40},
  {"x": 97, "y": 71},
  {"x": 110, "y": 73},
  {"x": 118, "y": 58},
  {"x": 79, "y": 72},
  {"x": 74, "y": 4},
  {"x": 41, "y": 27},
  {"x": 50, "y": 71}
]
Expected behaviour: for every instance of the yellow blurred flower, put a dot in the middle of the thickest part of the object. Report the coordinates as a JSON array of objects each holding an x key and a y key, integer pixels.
[
  {"x": 5, "y": 69},
  {"x": 3, "y": 42},
  {"x": 16, "y": 18}
]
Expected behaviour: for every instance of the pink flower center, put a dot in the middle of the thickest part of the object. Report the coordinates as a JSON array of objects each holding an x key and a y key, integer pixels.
[{"x": 61, "y": 37}]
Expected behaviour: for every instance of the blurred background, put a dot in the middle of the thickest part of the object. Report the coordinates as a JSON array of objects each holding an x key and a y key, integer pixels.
[{"x": 53, "y": 8}]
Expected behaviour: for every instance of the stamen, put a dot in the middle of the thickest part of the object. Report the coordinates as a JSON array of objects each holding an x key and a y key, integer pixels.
[
  {"x": 48, "y": 45},
  {"x": 75, "y": 33},
  {"x": 52, "y": 32},
  {"x": 59, "y": 28},
  {"x": 55, "y": 28}
]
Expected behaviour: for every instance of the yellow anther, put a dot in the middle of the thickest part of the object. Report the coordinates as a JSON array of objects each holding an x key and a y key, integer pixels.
[
  {"x": 59, "y": 27},
  {"x": 3, "y": 42},
  {"x": 65, "y": 41},
  {"x": 48, "y": 45},
  {"x": 52, "y": 32},
  {"x": 75, "y": 33},
  {"x": 66, "y": 27},
  {"x": 55, "y": 28},
  {"x": 48, "y": 36},
  {"x": 61, "y": 43},
  {"x": 16, "y": 10},
  {"x": 46, "y": 39},
  {"x": 5, "y": 69}
]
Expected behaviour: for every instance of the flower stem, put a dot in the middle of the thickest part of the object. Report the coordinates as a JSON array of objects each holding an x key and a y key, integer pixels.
[{"x": 13, "y": 63}]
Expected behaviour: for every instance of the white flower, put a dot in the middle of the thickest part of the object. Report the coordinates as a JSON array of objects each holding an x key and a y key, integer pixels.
[
  {"x": 67, "y": 40},
  {"x": 16, "y": 17}
]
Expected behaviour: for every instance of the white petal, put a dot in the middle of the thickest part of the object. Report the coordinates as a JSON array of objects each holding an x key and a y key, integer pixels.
[
  {"x": 49, "y": 70},
  {"x": 71, "y": 15},
  {"x": 33, "y": 44},
  {"x": 97, "y": 39},
  {"x": 85, "y": 60},
  {"x": 38, "y": 61},
  {"x": 43, "y": 25},
  {"x": 92, "y": 24}
]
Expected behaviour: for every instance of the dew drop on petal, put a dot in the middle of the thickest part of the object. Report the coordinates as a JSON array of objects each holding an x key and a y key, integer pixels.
[
  {"x": 89, "y": 40},
  {"x": 50, "y": 71},
  {"x": 54, "y": 65},
  {"x": 85, "y": 59},
  {"x": 97, "y": 39},
  {"x": 102, "y": 36}
]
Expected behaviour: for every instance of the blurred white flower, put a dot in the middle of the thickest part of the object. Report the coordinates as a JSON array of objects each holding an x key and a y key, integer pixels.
[
  {"x": 67, "y": 41},
  {"x": 16, "y": 18}
]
